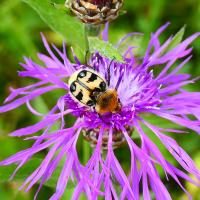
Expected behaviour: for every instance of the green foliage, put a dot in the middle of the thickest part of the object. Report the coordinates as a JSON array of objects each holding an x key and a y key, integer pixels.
[
  {"x": 24, "y": 172},
  {"x": 60, "y": 22},
  {"x": 70, "y": 28},
  {"x": 175, "y": 40},
  {"x": 104, "y": 48}
]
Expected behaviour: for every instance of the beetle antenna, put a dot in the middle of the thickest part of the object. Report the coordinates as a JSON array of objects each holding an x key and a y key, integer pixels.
[{"x": 108, "y": 77}]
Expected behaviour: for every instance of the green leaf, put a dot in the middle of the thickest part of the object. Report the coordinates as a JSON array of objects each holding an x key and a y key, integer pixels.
[
  {"x": 176, "y": 39},
  {"x": 136, "y": 41},
  {"x": 104, "y": 48},
  {"x": 69, "y": 27},
  {"x": 27, "y": 170}
]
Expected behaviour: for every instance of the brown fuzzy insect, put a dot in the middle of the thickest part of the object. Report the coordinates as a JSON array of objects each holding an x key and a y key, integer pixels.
[
  {"x": 108, "y": 102},
  {"x": 95, "y": 11}
]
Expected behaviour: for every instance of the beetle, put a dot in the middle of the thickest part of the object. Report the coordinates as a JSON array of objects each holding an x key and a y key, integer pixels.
[{"x": 90, "y": 89}]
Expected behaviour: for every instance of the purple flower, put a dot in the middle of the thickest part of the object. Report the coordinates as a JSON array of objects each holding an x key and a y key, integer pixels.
[{"x": 141, "y": 93}]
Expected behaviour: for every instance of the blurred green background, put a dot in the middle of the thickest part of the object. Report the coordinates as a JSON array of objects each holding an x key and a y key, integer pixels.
[{"x": 20, "y": 28}]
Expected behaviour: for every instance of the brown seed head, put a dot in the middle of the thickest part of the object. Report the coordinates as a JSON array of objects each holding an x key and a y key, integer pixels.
[{"x": 95, "y": 11}]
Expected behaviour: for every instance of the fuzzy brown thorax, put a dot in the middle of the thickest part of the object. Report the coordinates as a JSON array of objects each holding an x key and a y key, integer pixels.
[{"x": 108, "y": 102}]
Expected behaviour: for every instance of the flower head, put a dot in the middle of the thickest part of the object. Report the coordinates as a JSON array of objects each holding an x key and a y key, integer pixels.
[
  {"x": 95, "y": 11},
  {"x": 141, "y": 93}
]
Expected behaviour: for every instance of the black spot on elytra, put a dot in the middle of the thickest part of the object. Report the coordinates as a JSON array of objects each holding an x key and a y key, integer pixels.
[
  {"x": 82, "y": 74},
  {"x": 95, "y": 93},
  {"x": 102, "y": 85},
  {"x": 92, "y": 78},
  {"x": 79, "y": 96},
  {"x": 73, "y": 87},
  {"x": 90, "y": 103}
]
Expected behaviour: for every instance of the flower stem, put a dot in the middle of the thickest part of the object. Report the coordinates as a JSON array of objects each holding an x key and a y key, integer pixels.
[{"x": 91, "y": 31}]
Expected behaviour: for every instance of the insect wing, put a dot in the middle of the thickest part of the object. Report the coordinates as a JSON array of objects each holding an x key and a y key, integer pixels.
[
  {"x": 92, "y": 80},
  {"x": 80, "y": 93},
  {"x": 82, "y": 85}
]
